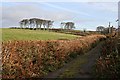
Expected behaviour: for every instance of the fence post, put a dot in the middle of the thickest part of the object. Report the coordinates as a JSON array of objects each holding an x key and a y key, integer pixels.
[{"x": 118, "y": 42}]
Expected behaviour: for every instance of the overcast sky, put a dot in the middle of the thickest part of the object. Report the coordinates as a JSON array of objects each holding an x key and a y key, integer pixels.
[{"x": 85, "y": 15}]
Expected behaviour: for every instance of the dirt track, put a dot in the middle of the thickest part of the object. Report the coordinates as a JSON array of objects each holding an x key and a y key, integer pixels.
[{"x": 81, "y": 67}]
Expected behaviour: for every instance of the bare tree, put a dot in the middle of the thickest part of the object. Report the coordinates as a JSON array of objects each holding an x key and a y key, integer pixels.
[
  {"x": 32, "y": 23},
  {"x": 36, "y": 23},
  {"x": 24, "y": 23},
  {"x": 48, "y": 24},
  {"x": 62, "y": 25},
  {"x": 67, "y": 25},
  {"x": 100, "y": 29}
]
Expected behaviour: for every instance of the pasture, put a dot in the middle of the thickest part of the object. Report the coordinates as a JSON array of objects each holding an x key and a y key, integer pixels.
[{"x": 23, "y": 34}]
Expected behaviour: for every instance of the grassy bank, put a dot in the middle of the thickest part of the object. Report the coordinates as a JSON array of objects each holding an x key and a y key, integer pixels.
[{"x": 22, "y": 34}]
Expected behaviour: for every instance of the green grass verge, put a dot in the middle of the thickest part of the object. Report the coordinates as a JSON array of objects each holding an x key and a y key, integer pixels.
[{"x": 74, "y": 69}]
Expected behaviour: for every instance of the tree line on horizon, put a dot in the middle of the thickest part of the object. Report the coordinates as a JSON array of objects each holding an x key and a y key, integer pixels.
[{"x": 36, "y": 23}]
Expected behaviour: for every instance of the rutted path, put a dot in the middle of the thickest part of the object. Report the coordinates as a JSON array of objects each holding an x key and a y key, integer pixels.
[{"x": 81, "y": 67}]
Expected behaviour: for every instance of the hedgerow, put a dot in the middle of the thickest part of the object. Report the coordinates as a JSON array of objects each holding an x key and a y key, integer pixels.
[
  {"x": 108, "y": 65},
  {"x": 26, "y": 59}
]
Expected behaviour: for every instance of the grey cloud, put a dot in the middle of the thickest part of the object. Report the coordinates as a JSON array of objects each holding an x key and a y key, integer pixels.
[{"x": 13, "y": 14}]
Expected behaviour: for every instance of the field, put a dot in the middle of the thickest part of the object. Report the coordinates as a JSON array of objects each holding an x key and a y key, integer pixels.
[{"x": 22, "y": 34}]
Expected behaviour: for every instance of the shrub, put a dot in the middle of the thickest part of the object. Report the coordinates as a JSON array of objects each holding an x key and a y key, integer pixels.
[
  {"x": 108, "y": 65},
  {"x": 25, "y": 59}
]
